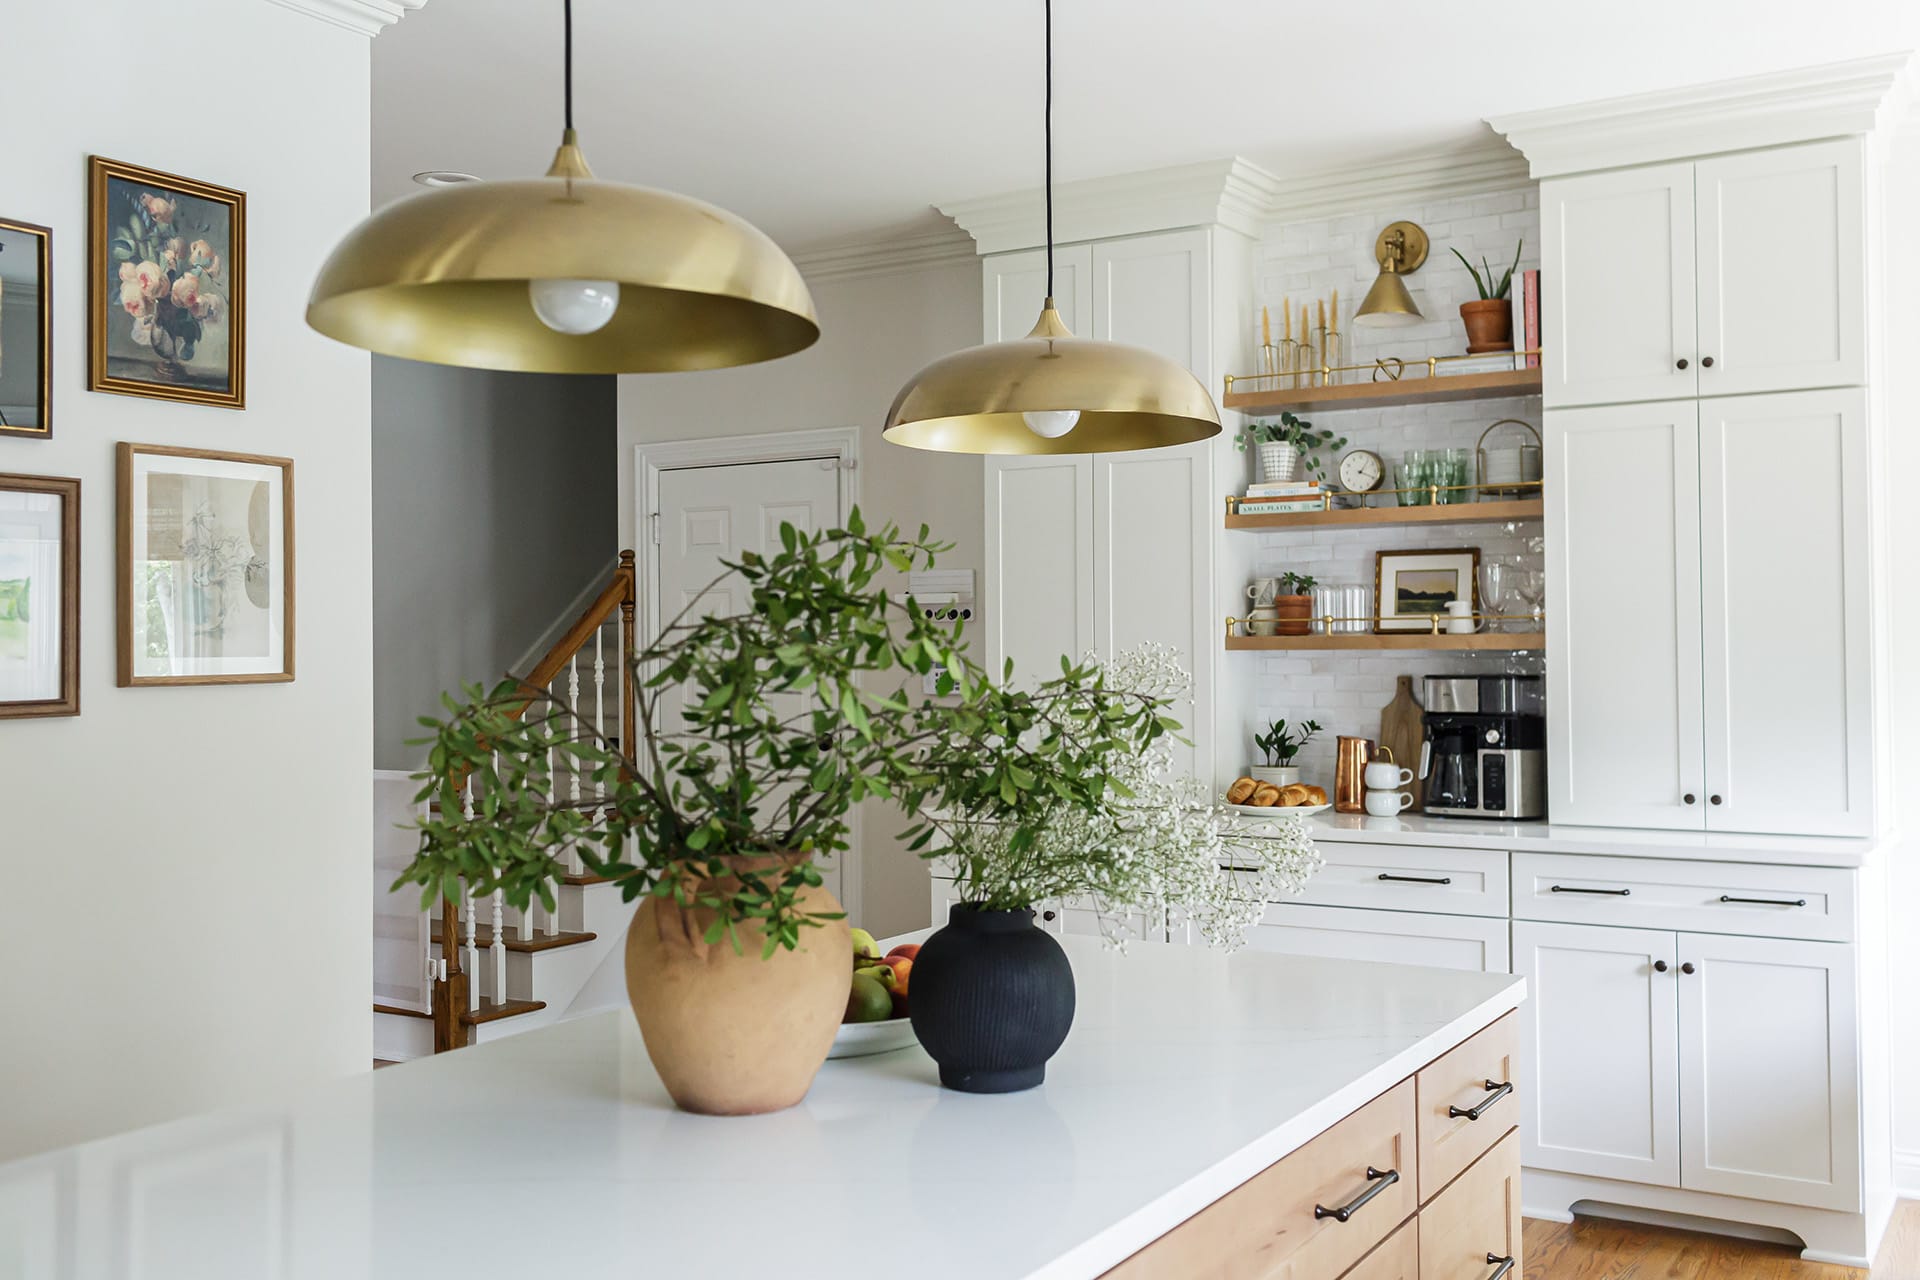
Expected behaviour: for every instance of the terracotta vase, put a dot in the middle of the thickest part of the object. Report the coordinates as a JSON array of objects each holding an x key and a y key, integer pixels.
[
  {"x": 1296, "y": 615},
  {"x": 732, "y": 1034},
  {"x": 1489, "y": 324}
]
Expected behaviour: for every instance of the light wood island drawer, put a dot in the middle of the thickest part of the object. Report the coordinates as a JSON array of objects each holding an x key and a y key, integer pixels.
[
  {"x": 1466, "y": 1104},
  {"x": 1309, "y": 1217},
  {"x": 1395, "y": 1258},
  {"x": 1468, "y": 1231}
]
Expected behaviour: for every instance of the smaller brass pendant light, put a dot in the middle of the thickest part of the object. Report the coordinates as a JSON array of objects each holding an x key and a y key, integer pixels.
[
  {"x": 1400, "y": 250},
  {"x": 1051, "y": 392},
  {"x": 563, "y": 274}
]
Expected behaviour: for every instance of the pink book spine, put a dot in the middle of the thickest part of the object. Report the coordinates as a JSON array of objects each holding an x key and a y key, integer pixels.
[{"x": 1532, "y": 338}]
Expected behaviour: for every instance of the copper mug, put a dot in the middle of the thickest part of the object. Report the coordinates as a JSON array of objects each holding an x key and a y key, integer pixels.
[{"x": 1351, "y": 756}]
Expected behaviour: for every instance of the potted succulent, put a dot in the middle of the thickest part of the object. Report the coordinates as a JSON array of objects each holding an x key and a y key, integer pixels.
[
  {"x": 1293, "y": 604},
  {"x": 1489, "y": 318},
  {"x": 1092, "y": 811},
  {"x": 1287, "y": 445},
  {"x": 1278, "y": 746}
]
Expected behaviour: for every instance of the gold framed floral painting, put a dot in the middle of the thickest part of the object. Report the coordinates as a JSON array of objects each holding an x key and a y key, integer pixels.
[
  {"x": 26, "y": 330},
  {"x": 168, "y": 275},
  {"x": 205, "y": 584}
]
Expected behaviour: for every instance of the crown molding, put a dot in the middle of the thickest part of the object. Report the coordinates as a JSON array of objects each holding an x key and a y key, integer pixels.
[
  {"x": 1835, "y": 100},
  {"x": 1234, "y": 193},
  {"x": 368, "y": 17},
  {"x": 854, "y": 258},
  {"x": 1475, "y": 169}
]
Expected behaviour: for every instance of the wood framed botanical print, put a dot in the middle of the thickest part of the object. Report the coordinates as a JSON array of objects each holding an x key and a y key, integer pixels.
[
  {"x": 39, "y": 596},
  {"x": 26, "y": 329},
  {"x": 205, "y": 584},
  {"x": 167, "y": 263},
  {"x": 1411, "y": 587}
]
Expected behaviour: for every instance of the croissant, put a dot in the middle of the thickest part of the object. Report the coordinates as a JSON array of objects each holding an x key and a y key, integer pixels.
[
  {"x": 1316, "y": 795},
  {"x": 1293, "y": 795},
  {"x": 1240, "y": 790},
  {"x": 1265, "y": 795}
]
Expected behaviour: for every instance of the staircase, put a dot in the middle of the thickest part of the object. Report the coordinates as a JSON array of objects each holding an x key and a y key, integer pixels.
[{"x": 508, "y": 971}]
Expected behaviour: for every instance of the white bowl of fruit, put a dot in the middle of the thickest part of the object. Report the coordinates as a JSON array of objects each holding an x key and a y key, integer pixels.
[{"x": 876, "y": 1019}]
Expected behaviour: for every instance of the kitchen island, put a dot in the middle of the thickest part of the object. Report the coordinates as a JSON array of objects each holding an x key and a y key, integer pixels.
[{"x": 1189, "y": 1076}]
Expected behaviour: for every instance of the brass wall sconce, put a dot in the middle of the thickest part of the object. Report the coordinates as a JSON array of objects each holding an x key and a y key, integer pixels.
[{"x": 1400, "y": 251}]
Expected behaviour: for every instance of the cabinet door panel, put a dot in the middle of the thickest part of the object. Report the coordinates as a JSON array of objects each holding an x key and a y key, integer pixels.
[
  {"x": 1617, "y": 315},
  {"x": 1077, "y": 917},
  {"x": 1152, "y": 292},
  {"x": 1597, "y": 1062},
  {"x": 1039, "y": 568},
  {"x": 1623, "y": 613},
  {"x": 1015, "y": 284},
  {"x": 1784, "y": 487},
  {"x": 1769, "y": 1070},
  {"x": 1781, "y": 244},
  {"x": 1391, "y": 937}
]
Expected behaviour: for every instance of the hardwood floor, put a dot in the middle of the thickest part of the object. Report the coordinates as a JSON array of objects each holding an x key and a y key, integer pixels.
[{"x": 1598, "y": 1249}]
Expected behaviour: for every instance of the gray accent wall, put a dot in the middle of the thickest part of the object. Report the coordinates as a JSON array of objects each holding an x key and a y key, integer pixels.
[{"x": 493, "y": 513}]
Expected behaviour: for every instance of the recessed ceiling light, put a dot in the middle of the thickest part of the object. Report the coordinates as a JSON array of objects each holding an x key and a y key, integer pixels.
[{"x": 443, "y": 178}]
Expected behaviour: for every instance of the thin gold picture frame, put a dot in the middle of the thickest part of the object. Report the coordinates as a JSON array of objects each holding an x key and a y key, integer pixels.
[
  {"x": 44, "y": 237},
  {"x": 68, "y": 701}
]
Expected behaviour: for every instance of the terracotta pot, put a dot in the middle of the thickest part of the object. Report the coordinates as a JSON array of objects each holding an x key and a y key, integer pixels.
[
  {"x": 1296, "y": 615},
  {"x": 732, "y": 1034},
  {"x": 1489, "y": 324}
]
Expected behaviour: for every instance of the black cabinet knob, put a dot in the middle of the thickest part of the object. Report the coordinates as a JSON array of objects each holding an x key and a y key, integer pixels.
[
  {"x": 1659, "y": 966},
  {"x": 1688, "y": 797},
  {"x": 1713, "y": 799},
  {"x": 1047, "y": 915},
  {"x": 1680, "y": 363},
  {"x": 1687, "y": 967},
  {"x": 1706, "y": 362}
]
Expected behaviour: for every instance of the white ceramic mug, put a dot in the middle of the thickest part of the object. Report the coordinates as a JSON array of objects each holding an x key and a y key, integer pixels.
[
  {"x": 1384, "y": 775},
  {"x": 1386, "y": 804},
  {"x": 1460, "y": 620},
  {"x": 1262, "y": 591}
]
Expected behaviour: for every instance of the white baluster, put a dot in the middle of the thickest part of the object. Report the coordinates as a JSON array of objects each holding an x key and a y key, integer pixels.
[
  {"x": 599, "y": 703},
  {"x": 473, "y": 948},
  {"x": 553, "y": 798},
  {"x": 573, "y": 762},
  {"x": 498, "y": 951}
]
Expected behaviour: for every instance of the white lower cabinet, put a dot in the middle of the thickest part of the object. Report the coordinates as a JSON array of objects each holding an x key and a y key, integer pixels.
[{"x": 1393, "y": 937}]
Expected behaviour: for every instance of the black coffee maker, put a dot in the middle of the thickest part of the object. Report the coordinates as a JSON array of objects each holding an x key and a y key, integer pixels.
[{"x": 1485, "y": 751}]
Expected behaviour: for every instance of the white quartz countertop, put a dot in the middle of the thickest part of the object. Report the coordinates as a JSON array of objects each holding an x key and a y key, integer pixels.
[
  {"x": 557, "y": 1152},
  {"x": 1549, "y": 837}
]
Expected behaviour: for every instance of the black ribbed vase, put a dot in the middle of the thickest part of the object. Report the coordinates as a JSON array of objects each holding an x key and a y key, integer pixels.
[{"x": 992, "y": 1000}]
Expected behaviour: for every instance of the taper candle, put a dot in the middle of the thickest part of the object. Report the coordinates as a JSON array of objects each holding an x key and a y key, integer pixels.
[
  {"x": 1286, "y": 319},
  {"x": 1335, "y": 308},
  {"x": 1266, "y": 329},
  {"x": 1320, "y": 309}
]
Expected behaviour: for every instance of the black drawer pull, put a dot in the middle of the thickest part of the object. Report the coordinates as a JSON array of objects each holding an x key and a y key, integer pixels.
[
  {"x": 1418, "y": 879},
  {"x": 1500, "y": 1088},
  {"x": 1615, "y": 893},
  {"x": 1378, "y": 1182},
  {"x": 1767, "y": 902},
  {"x": 1505, "y": 1265}
]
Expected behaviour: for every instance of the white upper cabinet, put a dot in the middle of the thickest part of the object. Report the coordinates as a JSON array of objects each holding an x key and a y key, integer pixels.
[
  {"x": 1782, "y": 269},
  {"x": 1015, "y": 284},
  {"x": 1039, "y": 573},
  {"x": 1623, "y": 581},
  {"x": 1784, "y": 559},
  {"x": 1617, "y": 316},
  {"x": 1153, "y": 292}
]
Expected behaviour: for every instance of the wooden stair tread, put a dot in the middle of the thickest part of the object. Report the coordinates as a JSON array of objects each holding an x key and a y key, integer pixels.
[
  {"x": 399, "y": 1012},
  {"x": 586, "y": 879},
  {"x": 493, "y": 1011},
  {"x": 483, "y": 938}
]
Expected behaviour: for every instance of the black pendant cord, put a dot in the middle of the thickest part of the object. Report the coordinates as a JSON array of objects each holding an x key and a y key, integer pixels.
[
  {"x": 1049, "y": 132},
  {"x": 566, "y": 23}
]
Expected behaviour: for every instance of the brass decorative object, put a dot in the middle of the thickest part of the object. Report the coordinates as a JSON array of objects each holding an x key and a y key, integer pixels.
[
  {"x": 447, "y": 276},
  {"x": 1400, "y": 249},
  {"x": 1529, "y": 458},
  {"x": 1379, "y": 369},
  {"x": 1050, "y": 392}
]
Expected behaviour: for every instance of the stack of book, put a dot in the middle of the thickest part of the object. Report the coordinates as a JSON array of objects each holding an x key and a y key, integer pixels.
[
  {"x": 1269, "y": 497},
  {"x": 1526, "y": 318}
]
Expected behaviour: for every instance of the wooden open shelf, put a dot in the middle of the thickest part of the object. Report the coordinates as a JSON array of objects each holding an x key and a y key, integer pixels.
[
  {"x": 1360, "y": 517},
  {"x": 1436, "y": 389},
  {"x": 1492, "y": 643}
]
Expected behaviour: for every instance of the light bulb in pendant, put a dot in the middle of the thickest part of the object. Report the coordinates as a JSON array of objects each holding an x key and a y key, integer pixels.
[
  {"x": 1051, "y": 424},
  {"x": 574, "y": 306}
]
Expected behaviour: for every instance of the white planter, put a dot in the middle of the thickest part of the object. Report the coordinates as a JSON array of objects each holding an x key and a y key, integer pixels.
[
  {"x": 1278, "y": 461},
  {"x": 1278, "y": 775}
]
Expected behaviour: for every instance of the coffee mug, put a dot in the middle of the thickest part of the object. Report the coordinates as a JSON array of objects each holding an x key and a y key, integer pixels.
[
  {"x": 1262, "y": 591},
  {"x": 1384, "y": 775},
  {"x": 1385, "y": 804}
]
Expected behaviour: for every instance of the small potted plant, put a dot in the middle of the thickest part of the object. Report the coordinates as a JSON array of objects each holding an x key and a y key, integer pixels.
[
  {"x": 1279, "y": 745},
  {"x": 1286, "y": 446},
  {"x": 1489, "y": 318},
  {"x": 1293, "y": 605}
]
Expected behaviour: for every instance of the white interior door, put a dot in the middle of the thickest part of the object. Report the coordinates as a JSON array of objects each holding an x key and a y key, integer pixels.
[
  {"x": 1623, "y": 616},
  {"x": 1598, "y": 1064},
  {"x": 707, "y": 515},
  {"x": 1784, "y": 484},
  {"x": 1769, "y": 1070}
]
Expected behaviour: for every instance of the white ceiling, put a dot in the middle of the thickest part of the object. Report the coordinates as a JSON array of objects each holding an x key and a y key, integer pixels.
[{"x": 822, "y": 120}]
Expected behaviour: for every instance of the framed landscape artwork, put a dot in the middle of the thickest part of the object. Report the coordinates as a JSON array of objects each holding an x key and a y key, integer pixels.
[
  {"x": 39, "y": 596},
  {"x": 1410, "y": 587},
  {"x": 168, "y": 282},
  {"x": 205, "y": 583},
  {"x": 26, "y": 329}
]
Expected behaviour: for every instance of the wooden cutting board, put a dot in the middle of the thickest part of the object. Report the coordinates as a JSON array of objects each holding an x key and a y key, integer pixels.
[{"x": 1402, "y": 725}]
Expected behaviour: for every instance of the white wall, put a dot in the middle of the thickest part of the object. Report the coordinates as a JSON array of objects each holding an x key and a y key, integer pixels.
[
  {"x": 876, "y": 331},
  {"x": 186, "y": 869}
]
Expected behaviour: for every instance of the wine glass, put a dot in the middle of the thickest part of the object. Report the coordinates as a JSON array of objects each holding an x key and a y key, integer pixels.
[
  {"x": 1530, "y": 587},
  {"x": 1496, "y": 590}
]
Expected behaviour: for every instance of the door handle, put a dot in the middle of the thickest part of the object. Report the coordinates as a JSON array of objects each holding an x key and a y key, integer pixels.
[
  {"x": 1418, "y": 879},
  {"x": 1377, "y": 1181},
  {"x": 1612, "y": 893},
  {"x": 1504, "y": 1265},
  {"x": 1500, "y": 1088}
]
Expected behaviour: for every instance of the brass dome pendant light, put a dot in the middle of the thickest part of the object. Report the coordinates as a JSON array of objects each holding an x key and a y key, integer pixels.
[
  {"x": 563, "y": 274},
  {"x": 1051, "y": 392}
]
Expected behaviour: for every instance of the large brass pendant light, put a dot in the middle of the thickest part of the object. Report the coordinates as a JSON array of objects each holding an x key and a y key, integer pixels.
[
  {"x": 563, "y": 274},
  {"x": 1051, "y": 392}
]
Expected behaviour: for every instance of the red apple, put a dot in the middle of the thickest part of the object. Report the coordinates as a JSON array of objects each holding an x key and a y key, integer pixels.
[
  {"x": 911, "y": 950},
  {"x": 902, "y": 967}
]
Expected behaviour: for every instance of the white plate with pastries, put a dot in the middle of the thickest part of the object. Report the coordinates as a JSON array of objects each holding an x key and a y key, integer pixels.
[
  {"x": 1279, "y": 810},
  {"x": 1294, "y": 799}
]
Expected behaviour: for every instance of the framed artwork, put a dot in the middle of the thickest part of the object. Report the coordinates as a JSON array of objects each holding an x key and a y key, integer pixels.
[
  {"x": 1410, "y": 587},
  {"x": 39, "y": 596},
  {"x": 205, "y": 584},
  {"x": 168, "y": 282},
  {"x": 26, "y": 329}
]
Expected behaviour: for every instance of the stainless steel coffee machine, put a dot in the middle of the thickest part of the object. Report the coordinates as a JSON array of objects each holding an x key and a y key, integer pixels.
[{"x": 1485, "y": 750}]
